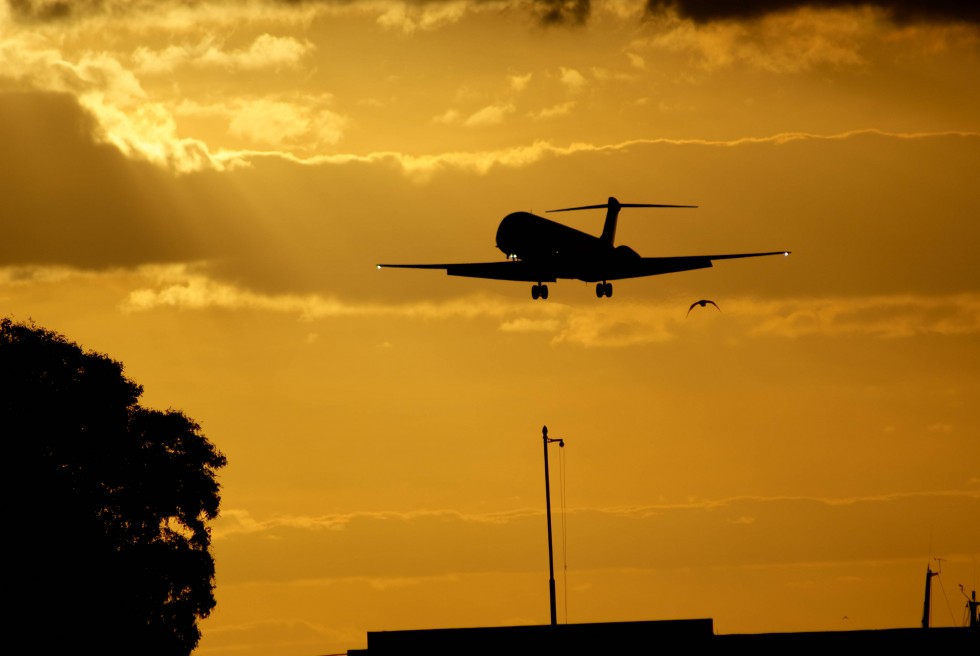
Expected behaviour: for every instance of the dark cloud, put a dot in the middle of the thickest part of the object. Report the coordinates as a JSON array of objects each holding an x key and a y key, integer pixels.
[
  {"x": 902, "y": 11},
  {"x": 70, "y": 200},
  {"x": 577, "y": 12},
  {"x": 562, "y": 12},
  {"x": 548, "y": 12},
  {"x": 47, "y": 10}
]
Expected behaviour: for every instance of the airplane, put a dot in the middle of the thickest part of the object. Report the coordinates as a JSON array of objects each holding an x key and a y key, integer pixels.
[{"x": 540, "y": 251}]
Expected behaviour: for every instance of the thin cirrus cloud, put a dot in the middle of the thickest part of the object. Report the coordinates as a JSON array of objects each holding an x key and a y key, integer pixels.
[
  {"x": 236, "y": 521},
  {"x": 730, "y": 521},
  {"x": 525, "y": 155}
]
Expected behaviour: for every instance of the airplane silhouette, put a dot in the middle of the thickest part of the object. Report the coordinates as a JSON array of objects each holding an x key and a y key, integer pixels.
[
  {"x": 540, "y": 250},
  {"x": 703, "y": 302}
]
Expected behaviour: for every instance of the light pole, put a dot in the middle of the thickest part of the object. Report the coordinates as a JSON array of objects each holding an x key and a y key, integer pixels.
[{"x": 547, "y": 498}]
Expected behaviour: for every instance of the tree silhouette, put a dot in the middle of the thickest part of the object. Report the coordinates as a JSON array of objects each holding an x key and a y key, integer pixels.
[{"x": 108, "y": 546}]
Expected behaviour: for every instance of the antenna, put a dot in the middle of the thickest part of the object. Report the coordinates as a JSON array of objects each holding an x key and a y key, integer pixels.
[
  {"x": 974, "y": 608},
  {"x": 926, "y": 605}
]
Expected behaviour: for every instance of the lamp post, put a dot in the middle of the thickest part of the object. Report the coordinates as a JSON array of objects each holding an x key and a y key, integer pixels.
[{"x": 547, "y": 498}]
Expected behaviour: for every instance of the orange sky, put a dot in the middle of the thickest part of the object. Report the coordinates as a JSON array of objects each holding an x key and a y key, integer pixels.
[{"x": 202, "y": 190}]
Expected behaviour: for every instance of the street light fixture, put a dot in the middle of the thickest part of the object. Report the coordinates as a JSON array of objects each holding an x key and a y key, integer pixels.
[{"x": 547, "y": 496}]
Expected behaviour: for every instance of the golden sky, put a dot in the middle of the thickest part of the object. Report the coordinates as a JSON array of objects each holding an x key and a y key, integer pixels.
[{"x": 201, "y": 190}]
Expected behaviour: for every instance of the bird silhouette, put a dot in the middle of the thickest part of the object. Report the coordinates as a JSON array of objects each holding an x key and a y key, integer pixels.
[{"x": 703, "y": 302}]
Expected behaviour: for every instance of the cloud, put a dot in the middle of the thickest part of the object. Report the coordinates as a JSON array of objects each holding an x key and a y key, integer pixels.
[
  {"x": 528, "y": 325},
  {"x": 240, "y": 521},
  {"x": 412, "y": 15},
  {"x": 75, "y": 190},
  {"x": 148, "y": 131},
  {"x": 276, "y": 123},
  {"x": 269, "y": 122},
  {"x": 426, "y": 16},
  {"x": 421, "y": 167},
  {"x": 22, "y": 276},
  {"x": 265, "y": 52},
  {"x": 235, "y": 521},
  {"x": 561, "y": 109},
  {"x": 572, "y": 80},
  {"x": 608, "y": 326},
  {"x": 562, "y": 12},
  {"x": 780, "y": 43},
  {"x": 185, "y": 287},
  {"x": 519, "y": 82},
  {"x": 724, "y": 532},
  {"x": 449, "y": 117},
  {"x": 123, "y": 91},
  {"x": 172, "y": 15},
  {"x": 940, "y": 427},
  {"x": 903, "y": 11},
  {"x": 883, "y": 316},
  {"x": 489, "y": 115},
  {"x": 123, "y": 113}
]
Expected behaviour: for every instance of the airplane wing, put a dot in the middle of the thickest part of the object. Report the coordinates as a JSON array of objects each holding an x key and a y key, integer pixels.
[
  {"x": 508, "y": 270},
  {"x": 652, "y": 266},
  {"x": 618, "y": 269}
]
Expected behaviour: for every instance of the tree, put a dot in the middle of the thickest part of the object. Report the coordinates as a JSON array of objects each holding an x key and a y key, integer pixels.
[{"x": 108, "y": 503}]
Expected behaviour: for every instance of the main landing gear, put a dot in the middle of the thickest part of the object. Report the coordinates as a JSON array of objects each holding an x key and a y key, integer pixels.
[
  {"x": 539, "y": 291},
  {"x": 603, "y": 289}
]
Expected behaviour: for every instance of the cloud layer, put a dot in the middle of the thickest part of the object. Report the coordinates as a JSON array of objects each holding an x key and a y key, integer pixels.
[{"x": 903, "y": 11}]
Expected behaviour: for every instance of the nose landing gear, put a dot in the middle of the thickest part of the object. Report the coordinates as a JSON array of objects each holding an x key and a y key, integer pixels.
[
  {"x": 603, "y": 289},
  {"x": 539, "y": 291}
]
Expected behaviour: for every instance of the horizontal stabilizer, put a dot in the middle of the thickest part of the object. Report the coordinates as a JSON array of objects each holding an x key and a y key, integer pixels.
[{"x": 607, "y": 205}]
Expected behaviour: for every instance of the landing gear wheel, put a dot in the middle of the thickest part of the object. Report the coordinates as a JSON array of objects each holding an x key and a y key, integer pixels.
[
  {"x": 608, "y": 290},
  {"x": 535, "y": 291},
  {"x": 544, "y": 292}
]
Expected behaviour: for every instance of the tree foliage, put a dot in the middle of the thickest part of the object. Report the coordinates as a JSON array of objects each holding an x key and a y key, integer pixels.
[{"x": 109, "y": 504}]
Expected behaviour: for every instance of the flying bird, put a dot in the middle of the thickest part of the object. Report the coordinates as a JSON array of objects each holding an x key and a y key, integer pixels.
[{"x": 703, "y": 302}]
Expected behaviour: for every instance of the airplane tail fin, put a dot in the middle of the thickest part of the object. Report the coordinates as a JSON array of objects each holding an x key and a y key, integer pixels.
[{"x": 612, "y": 208}]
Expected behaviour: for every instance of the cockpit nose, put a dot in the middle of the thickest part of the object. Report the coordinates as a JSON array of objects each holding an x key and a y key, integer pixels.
[{"x": 508, "y": 234}]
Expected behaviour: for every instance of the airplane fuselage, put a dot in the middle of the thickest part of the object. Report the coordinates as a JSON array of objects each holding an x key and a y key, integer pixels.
[{"x": 560, "y": 251}]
